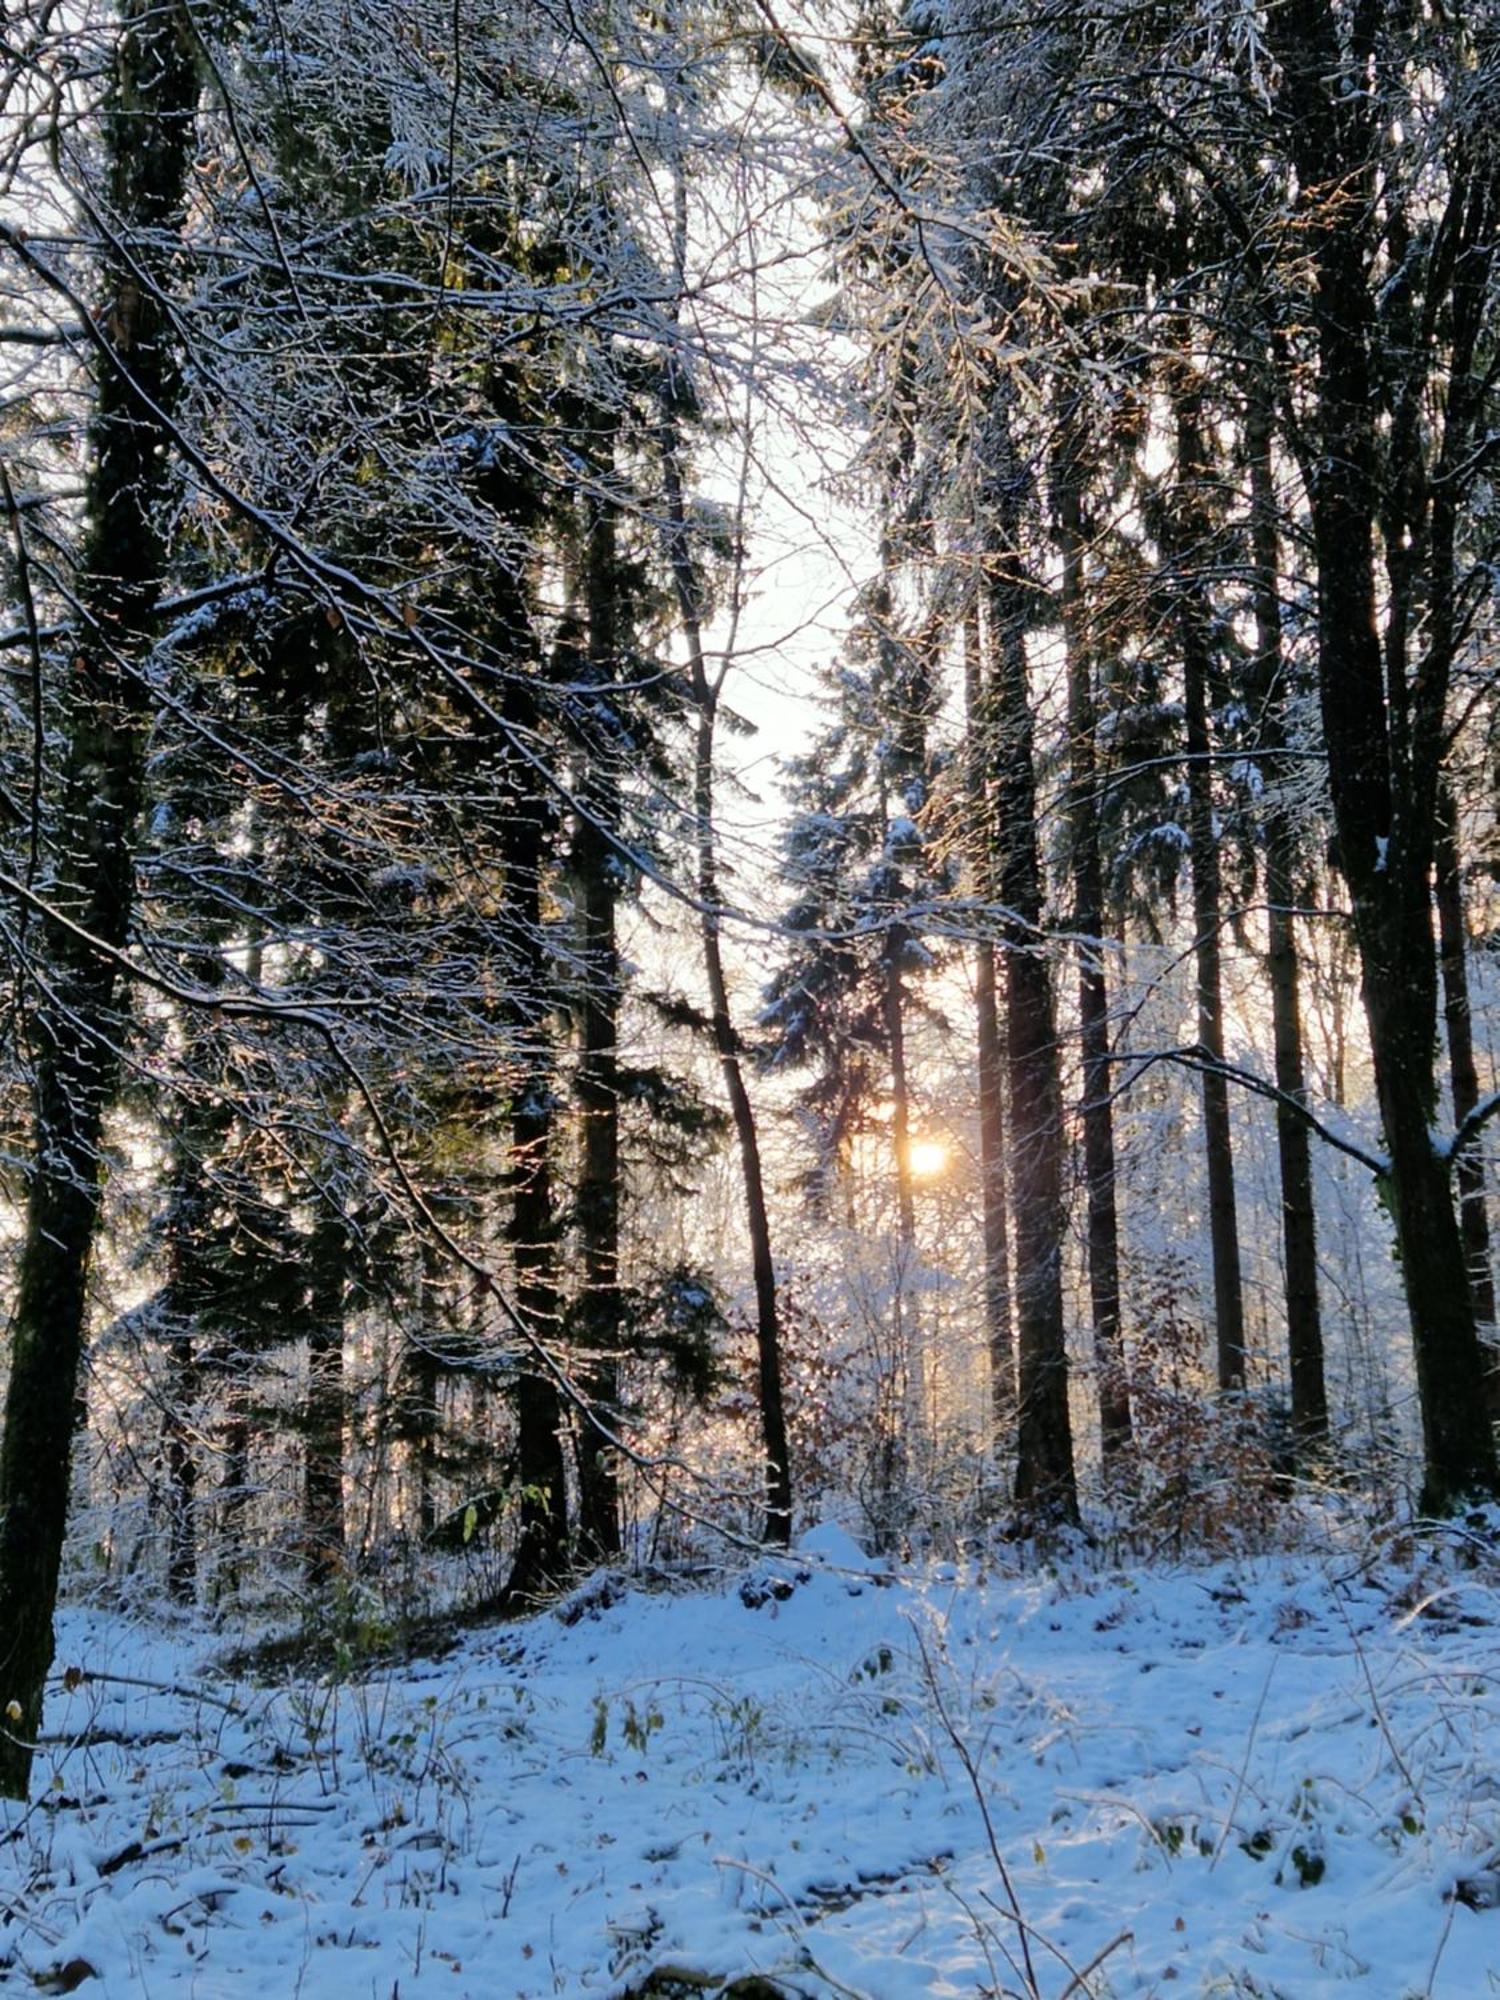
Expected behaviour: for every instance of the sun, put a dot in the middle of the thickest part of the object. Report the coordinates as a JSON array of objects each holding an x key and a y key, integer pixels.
[{"x": 929, "y": 1158}]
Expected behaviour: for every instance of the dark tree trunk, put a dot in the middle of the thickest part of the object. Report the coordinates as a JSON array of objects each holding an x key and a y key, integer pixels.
[
  {"x": 79, "y": 1018},
  {"x": 180, "y": 1301},
  {"x": 598, "y": 1084},
  {"x": 233, "y": 1494},
  {"x": 1093, "y": 984},
  {"x": 990, "y": 1049},
  {"x": 1045, "y": 1482},
  {"x": 185, "y": 1219},
  {"x": 1384, "y": 755},
  {"x": 420, "y": 1395},
  {"x": 1463, "y": 1078},
  {"x": 182, "y": 1473},
  {"x": 542, "y": 1547},
  {"x": 1186, "y": 551},
  {"x": 325, "y": 1408},
  {"x": 1294, "y": 1146}
]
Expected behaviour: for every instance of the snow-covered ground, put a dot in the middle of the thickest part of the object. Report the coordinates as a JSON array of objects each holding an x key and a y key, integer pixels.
[{"x": 1278, "y": 1776}]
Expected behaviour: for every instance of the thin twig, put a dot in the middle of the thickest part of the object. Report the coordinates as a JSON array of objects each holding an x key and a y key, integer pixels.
[{"x": 1239, "y": 1783}]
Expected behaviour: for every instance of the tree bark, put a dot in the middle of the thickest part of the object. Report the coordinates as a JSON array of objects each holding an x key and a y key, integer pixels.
[
  {"x": 78, "y": 1019},
  {"x": 1046, "y": 1487},
  {"x": 325, "y": 1409},
  {"x": 419, "y": 1393},
  {"x": 1463, "y": 1077},
  {"x": 1093, "y": 982},
  {"x": 181, "y": 1297},
  {"x": 990, "y": 1049},
  {"x": 598, "y": 1084},
  {"x": 542, "y": 1545},
  {"x": 1293, "y": 1142},
  {"x": 1186, "y": 540},
  {"x": 182, "y": 1473},
  {"x": 1384, "y": 790}
]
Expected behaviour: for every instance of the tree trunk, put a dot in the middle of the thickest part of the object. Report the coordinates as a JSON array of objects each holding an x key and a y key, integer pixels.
[
  {"x": 1093, "y": 984},
  {"x": 1463, "y": 1078},
  {"x": 541, "y": 1550},
  {"x": 182, "y": 1473},
  {"x": 1045, "y": 1482},
  {"x": 419, "y": 1393},
  {"x": 1384, "y": 803},
  {"x": 181, "y": 1299},
  {"x": 990, "y": 1050},
  {"x": 233, "y": 1494},
  {"x": 1186, "y": 547},
  {"x": 78, "y": 1020},
  {"x": 325, "y": 1408},
  {"x": 1293, "y": 1141},
  {"x": 598, "y": 1085},
  {"x": 778, "y": 1477}
]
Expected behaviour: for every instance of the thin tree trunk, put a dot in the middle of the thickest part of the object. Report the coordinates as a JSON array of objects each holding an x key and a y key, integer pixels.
[
  {"x": 778, "y": 1477},
  {"x": 1464, "y": 1080},
  {"x": 1093, "y": 984},
  {"x": 1293, "y": 1141},
  {"x": 233, "y": 1494},
  {"x": 706, "y": 691},
  {"x": 420, "y": 1395},
  {"x": 182, "y": 1298},
  {"x": 1187, "y": 533},
  {"x": 182, "y": 1472},
  {"x": 79, "y": 1019},
  {"x": 184, "y": 1222},
  {"x": 325, "y": 1408},
  {"x": 417, "y": 1381},
  {"x": 598, "y": 1084},
  {"x": 990, "y": 1051},
  {"x": 541, "y": 1551},
  {"x": 232, "y": 1366}
]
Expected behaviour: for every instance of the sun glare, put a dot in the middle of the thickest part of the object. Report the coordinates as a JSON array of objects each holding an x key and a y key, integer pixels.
[{"x": 928, "y": 1158}]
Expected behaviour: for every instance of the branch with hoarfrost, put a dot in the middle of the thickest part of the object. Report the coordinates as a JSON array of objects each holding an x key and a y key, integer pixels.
[
  {"x": 315, "y": 1019},
  {"x": 1200, "y": 1060},
  {"x": 1450, "y": 1148}
]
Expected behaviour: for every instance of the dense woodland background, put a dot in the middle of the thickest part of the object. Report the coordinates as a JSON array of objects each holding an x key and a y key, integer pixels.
[{"x": 472, "y": 1111}]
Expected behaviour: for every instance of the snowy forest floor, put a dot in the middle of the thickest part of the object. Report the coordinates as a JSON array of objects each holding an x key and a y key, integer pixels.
[{"x": 1268, "y": 1776}]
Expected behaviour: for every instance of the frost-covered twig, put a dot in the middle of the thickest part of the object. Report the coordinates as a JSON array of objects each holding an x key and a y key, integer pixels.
[
  {"x": 1025, "y": 1931},
  {"x": 1375, "y": 1703}
]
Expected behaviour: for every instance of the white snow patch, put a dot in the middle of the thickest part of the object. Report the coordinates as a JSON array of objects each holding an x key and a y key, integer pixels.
[{"x": 1266, "y": 1776}]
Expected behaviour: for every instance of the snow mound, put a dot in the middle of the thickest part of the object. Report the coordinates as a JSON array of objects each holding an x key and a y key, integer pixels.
[{"x": 836, "y": 1548}]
